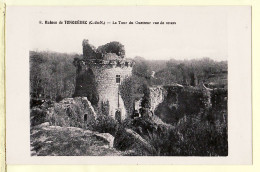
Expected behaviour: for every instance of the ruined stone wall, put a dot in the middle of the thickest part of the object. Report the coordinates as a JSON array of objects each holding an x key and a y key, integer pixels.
[
  {"x": 157, "y": 95},
  {"x": 172, "y": 102},
  {"x": 70, "y": 112},
  {"x": 103, "y": 75}
]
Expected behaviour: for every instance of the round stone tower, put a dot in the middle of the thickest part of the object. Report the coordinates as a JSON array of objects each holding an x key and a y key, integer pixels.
[{"x": 103, "y": 74}]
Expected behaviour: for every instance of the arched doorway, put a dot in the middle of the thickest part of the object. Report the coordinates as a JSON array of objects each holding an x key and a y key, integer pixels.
[{"x": 118, "y": 116}]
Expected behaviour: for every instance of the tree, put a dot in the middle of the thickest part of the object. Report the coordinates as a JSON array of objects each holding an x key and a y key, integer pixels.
[
  {"x": 112, "y": 47},
  {"x": 141, "y": 68},
  {"x": 146, "y": 102},
  {"x": 51, "y": 74},
  {"x": 193, "y": 79},
  {"x": 127, "y": 91}
]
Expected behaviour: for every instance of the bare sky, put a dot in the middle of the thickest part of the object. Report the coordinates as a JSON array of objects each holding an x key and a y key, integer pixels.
[{"x": 199, "y": 32}]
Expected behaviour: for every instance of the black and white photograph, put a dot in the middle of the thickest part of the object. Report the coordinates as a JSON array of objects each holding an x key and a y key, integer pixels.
[
  {"x": 131, "y": 82},
  {"x": 102, "y": 103},
  {"x": 156, "y": 103}
]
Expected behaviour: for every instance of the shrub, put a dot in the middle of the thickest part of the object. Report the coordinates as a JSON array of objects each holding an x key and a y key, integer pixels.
[
  {"x": 165, "y": 142},
  {"x": 104, "y": 108},
  {"x": 193, "y": 135},
  {"x": 37, "y": 116},
  {"x": 104, "y": 124},
  {"x": 219, "y": 98},
  {"x": 128, "y": 139},
  {"x": 58, "y": 98},
  {"x": 202, "y": 137},
  {"x": 155, "y": 132}
]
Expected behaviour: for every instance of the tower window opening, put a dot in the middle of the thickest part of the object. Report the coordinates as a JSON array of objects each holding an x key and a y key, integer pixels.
[
  {"x": 118, "y": 79},
  {"x": 85, "y": 118}
]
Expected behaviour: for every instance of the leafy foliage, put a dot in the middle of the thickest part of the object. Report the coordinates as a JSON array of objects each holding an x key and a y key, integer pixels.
[
  {"x": 51, "y": 75},
  {"x": 194, "y": 130},
  {"x": 112, "y": 47},
  {"x": 202, "y": 137},
  {"x": 38, "y": 116},
  {"x": 127, "y": 88},
  {"x": 104, "y": 124},
  {"x": 193, "y": 135},
  {"x": 146, "y": 102},
  {"x": 192, "y": 72}
]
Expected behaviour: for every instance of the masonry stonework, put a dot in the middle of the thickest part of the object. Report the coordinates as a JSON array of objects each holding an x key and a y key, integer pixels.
[{"x": 106, "y": 72}]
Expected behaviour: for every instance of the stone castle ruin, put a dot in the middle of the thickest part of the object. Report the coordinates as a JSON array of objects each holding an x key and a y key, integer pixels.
[{"x": 99, "y": 75}]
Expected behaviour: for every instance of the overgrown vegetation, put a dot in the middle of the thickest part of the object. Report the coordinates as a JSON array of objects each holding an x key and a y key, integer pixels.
[
  {"x": 183, "y": 101},
  {"x": 104, "y": 124},
  {"x": 193, "y": 135},
  {"x": 112, "y": 47},
  {"x": 91, "y": 52},
  {"x": 188, "y": 124}
]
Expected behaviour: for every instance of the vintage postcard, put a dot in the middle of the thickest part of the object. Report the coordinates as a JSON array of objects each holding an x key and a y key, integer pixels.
[{"x": 128, "y": 85}]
